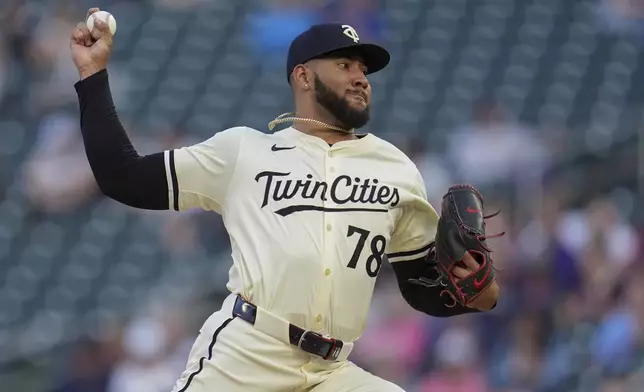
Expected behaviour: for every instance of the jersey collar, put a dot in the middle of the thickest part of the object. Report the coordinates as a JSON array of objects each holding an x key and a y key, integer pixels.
[{"x": 365, "y": 141}]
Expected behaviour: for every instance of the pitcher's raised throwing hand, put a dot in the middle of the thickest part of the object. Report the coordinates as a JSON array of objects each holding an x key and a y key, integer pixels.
[{"x": 91, "y": 50}]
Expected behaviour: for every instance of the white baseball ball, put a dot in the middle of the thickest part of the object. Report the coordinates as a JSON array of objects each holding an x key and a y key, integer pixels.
[{"x": 105, "y": 17}]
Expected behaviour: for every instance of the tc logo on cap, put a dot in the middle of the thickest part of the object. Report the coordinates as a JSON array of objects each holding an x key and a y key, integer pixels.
[{"x": 351, "y": 33}]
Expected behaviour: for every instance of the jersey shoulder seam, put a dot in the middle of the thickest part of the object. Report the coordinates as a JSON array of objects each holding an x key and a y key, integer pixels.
[{"x": 243, "y": 129}]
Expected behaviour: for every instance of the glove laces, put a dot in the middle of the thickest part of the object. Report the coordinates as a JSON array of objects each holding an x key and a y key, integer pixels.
[{"x": 483, "y": 237}]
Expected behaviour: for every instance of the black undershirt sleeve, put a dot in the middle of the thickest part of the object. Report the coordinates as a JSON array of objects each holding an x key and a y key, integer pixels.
[
  {"x": 120, "y": 172},
  {"x": 425, "y": 299}
]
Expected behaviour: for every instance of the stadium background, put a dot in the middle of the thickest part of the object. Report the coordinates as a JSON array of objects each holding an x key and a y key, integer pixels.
[{"x": 537, "y": 102}]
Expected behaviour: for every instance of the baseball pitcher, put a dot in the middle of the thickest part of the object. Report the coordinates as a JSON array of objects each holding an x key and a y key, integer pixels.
[{"x": 312, "y": 210}]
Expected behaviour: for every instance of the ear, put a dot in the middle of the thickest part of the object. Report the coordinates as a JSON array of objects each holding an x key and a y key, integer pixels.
[{"x": 301, "y": 77}]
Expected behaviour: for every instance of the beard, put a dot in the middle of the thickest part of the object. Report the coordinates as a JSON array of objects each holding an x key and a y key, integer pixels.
[{"x": 340, "y": 108}]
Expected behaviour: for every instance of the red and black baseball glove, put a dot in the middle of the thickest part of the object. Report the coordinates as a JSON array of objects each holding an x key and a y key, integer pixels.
[{"x": 461, "y": 229}]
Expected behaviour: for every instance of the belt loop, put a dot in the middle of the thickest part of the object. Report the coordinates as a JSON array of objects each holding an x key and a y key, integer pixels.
[{"x": 299, "y": 344}]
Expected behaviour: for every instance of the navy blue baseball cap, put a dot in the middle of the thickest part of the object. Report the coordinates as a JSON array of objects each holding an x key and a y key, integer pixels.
[{"x": 324, "y": 39}]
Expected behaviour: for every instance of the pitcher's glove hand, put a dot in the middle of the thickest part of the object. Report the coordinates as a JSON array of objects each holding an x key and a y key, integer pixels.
[{"x": 460, "y": 247}]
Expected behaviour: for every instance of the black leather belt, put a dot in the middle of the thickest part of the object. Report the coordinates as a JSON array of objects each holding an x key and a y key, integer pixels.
[{"x": 308, "y": 341}]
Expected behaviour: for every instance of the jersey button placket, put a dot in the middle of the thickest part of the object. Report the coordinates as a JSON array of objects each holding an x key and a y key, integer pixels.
[{"x": 328, "y": 233}]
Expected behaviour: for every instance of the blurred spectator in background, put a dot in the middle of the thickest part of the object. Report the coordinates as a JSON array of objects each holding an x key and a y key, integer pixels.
[
  {"x": 616, "y": 344},
  {"x": 89, "y": 369},
  {"x": 52, "y": 68},
  {"x": 494, "y": 148},
  {"x": 57, "y": 174},
  {"x": 601, "y": 223},
  {"x": 538, "y": 242},
  {"x": 621, "y": 16},
  {"x": 14, "y": 44},
  {"x": 5, "y": 68},
  {"x": 457, "y": 362},
  {"x": 516, "y": 361},
  {"x": 146, "y": 347},
  {"x": 563, "y": 356}
]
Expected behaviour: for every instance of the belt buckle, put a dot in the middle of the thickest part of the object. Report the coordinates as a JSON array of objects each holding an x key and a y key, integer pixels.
[{"x": 334, "y": 351}]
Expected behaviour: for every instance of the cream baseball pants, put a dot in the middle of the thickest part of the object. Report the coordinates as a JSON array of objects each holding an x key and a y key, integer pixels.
[{"x": 231, "y": 355}]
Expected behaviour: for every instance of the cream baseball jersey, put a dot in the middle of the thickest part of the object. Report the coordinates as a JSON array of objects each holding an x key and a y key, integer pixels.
[{"x": 310, "y": 224}]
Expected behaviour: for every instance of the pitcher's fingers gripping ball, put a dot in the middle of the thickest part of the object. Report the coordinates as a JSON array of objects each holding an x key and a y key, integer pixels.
[{"x": 102, "y": 16}]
